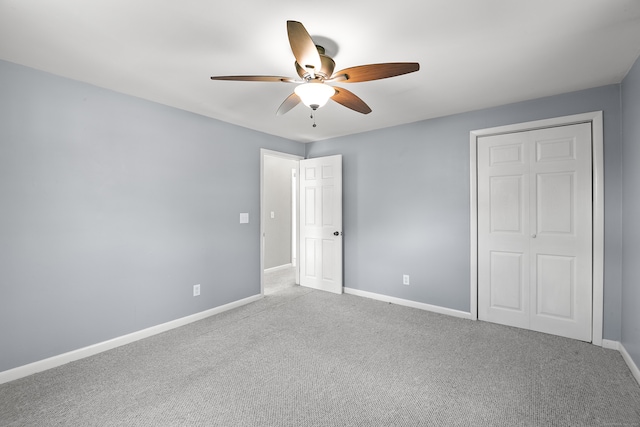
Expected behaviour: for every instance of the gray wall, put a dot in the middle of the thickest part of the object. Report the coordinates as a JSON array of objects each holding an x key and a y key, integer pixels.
[
  {"x": 631, "y": 213},
  {"x": 406, "y": 200},
  {"x": 277, "y": 199},
  {"x": 112, "y": 208}
]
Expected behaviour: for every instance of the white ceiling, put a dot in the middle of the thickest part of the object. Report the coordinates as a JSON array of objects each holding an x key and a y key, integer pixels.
[{"x": 473, "y": 53}]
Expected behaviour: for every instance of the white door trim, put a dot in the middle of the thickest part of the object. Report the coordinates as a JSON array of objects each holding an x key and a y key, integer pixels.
[
  {"x": 264, "y": 152},
  {"x": 595, "y": 118}
]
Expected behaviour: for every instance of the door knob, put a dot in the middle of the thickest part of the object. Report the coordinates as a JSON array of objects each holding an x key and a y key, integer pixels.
[
  {"x": 336, "y": 233},
  {"x": 533, "y": 236}
]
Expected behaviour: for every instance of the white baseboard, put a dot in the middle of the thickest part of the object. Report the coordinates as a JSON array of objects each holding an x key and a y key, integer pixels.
[
  {"x": 616, "y": 345},
  {"x": 630, "y": 363},
  {"x": 409, "y": 303},
  {"x": 61, "y": 359},
  {"x": 278, "y": 267}
]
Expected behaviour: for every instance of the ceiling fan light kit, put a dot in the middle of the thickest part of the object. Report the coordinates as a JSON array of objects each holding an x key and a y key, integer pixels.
[
  {"x": 314, "y": 94},
  {"x": 316, "y": 70}
]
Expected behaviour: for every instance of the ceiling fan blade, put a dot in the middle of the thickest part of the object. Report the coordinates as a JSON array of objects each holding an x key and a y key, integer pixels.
[
  {"x": 303, "y": 47},
  {"x": 255, "y": 78},
  {"x": 365, "y": 73},
  {"x": 291, "y": 101},
  {"x": 349, "y": 100}
]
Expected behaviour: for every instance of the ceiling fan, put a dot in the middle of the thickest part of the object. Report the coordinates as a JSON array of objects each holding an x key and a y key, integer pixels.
[{"x": 316, "y": 70}]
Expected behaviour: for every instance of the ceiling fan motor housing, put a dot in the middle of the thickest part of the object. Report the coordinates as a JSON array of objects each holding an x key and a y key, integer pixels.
[
  {"x": 328, "y": 66},
  {"x": 325, "y": 72}
]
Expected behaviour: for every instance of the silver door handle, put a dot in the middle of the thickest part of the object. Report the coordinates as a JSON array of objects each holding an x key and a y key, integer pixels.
[{"x": 533, "y": 236}]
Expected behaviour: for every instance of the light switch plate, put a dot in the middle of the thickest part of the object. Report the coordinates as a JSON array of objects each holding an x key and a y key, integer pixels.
[{"x": 244, "y": 218}]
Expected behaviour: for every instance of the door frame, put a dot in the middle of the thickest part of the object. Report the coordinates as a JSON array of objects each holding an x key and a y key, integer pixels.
[
  {"x": 263, "y": 153},
  {"x": 595, "y": 119}
]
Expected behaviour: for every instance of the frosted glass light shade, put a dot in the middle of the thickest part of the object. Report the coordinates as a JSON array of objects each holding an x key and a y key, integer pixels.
[{"x": 314, "y": 95}]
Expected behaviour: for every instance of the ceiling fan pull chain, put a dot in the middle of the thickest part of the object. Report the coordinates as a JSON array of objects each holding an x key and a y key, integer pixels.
[{"x": 313, "y": 118}]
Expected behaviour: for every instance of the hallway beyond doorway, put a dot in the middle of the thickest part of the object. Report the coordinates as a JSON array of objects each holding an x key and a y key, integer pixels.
[{"x": 277, "y": 279}]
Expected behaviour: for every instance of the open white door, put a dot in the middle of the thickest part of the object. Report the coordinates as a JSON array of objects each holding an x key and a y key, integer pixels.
[{"x": 321, "y": 223}]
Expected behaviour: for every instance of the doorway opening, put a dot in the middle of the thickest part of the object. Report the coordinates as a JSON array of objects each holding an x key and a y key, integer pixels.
[{"x": 278, "y": 221}]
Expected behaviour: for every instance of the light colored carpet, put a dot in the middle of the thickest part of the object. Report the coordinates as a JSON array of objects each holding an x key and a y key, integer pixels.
[
  {"x": 308, "y": 358},
  {"x": 277, "y": 280}
]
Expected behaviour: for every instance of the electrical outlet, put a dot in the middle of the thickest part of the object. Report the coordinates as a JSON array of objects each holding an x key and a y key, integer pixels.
[
  {"x": 405, "y": 279},
  {"x": 196, "y": 290}
]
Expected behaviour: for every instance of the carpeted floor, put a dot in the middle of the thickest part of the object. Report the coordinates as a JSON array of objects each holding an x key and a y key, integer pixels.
[
  {"x": 306, "y": 358},
  {"x": 277, "y": 280}
]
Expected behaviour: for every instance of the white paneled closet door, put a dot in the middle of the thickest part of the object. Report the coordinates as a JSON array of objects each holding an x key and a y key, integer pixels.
[{"x": 535, "y": 230}]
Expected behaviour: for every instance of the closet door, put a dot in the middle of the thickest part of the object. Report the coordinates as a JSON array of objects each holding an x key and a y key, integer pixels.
[
  {"x": 503, "y": 229},
  {"x": 535, "y": 230}
]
